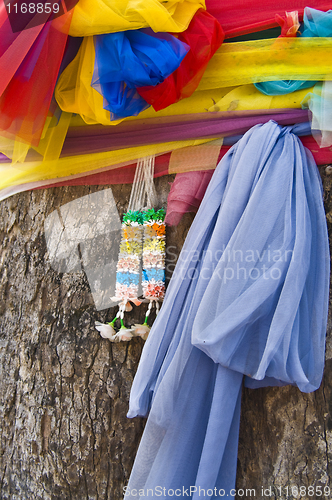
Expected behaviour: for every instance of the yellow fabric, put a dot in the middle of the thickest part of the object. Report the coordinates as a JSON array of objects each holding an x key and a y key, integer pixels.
[
  {"x": 50, "y": 145},
  {"x": 94, "y": 17},
  {"x": 240, "y": 63},
  {"x": 12, "y": 175},
  {"x": 244, "y": 97},
  {"x": 198, "y": 102},
  {"x": 247, "y": 97},
  {"x": 73, "y": 91},
  {"x": 7, "y": 147}
]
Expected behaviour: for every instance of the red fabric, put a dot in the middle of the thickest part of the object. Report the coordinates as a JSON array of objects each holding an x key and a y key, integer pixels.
[
  {"x": 204, "y": 36},
  {"x": 29, "y": 67},
  {"x": 322, "y": 156},
  {"x": 239, "y": 17},
  {"x": 289, "y": 24}
]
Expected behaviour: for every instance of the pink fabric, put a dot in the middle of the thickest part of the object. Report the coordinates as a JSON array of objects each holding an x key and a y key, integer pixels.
[{"x": 186, "y": 194}]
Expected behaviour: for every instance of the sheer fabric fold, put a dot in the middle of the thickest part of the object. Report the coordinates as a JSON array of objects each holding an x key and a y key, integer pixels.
[
  {"x": 94, "y": 17},
  {"x": 317, "y": 23},
  {"x": 85, "y": 152},
  {"x": 204, "y": 36},
  {"x": 74, "y": 92},
  {"x": 248, "y": 296},
  {"x": 130, "y": 59},
  {"x": 25, "y": 97},
  {"x": 186, "y": 194},
  {"x": 282, "y": 86},
  {"x": 320, "y": 105}
]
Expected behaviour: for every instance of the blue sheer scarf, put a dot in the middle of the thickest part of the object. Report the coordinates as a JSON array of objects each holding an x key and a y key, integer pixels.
[{"x": 249, "y": 296}]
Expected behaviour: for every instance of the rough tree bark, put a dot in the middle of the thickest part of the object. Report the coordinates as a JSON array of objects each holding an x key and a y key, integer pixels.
[{"x": 64, "y": 390}]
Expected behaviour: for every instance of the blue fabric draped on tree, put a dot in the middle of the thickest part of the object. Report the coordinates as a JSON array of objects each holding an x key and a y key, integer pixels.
[{"x": 248, "y": 296}]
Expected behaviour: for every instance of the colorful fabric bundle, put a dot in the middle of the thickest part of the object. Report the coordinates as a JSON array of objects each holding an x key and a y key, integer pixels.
[
  {"x": 204, "y": 36},
  {"x": 246, "y": 62},
  {"x": 26, "y": 105},
  {"x": 138, "y": 59},
  {"x": 316, "y": 23},
  {"x": 130, "y": 59}
]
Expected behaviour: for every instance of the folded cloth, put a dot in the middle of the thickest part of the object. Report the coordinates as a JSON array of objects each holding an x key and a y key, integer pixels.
[{"x": 248, "y": 296}]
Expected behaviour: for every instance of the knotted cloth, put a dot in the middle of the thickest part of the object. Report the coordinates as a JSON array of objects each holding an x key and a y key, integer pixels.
[{"x": 248, "y": 297}]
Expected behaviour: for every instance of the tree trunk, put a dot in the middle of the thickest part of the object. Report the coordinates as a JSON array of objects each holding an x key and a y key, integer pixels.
[{"x": 65, "y": 390}]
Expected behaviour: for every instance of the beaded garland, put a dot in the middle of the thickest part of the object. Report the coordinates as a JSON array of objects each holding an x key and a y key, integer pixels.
[
  {"x": 128, "y": 266},
  {"x": 154, "y": 249},
  {"x": 143, "y": 236}
]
